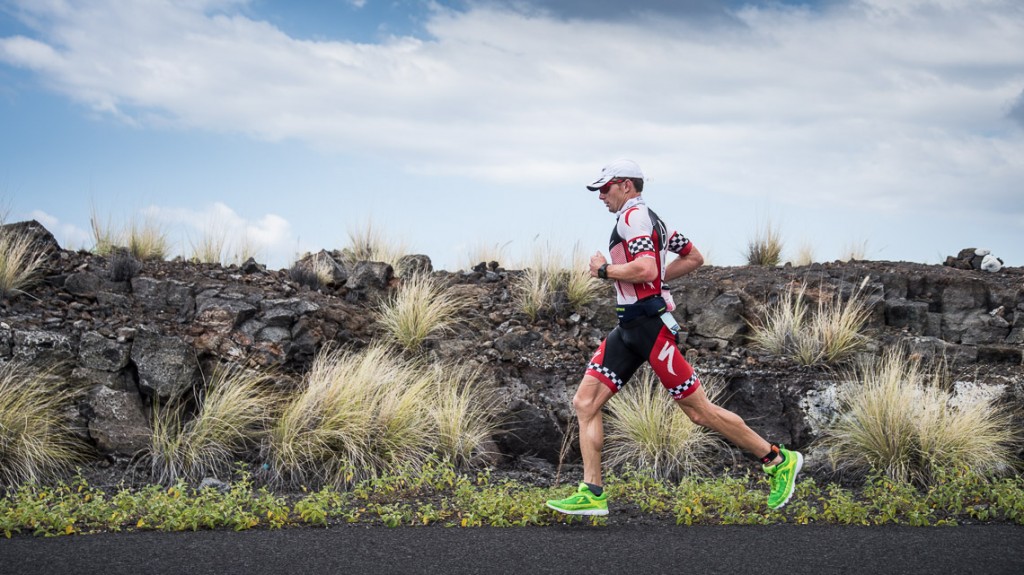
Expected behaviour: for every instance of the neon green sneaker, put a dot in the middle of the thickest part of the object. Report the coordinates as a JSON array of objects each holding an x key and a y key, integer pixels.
[
  {"x": 783, "y": 477},
  {"x": 583, "y": 502}
]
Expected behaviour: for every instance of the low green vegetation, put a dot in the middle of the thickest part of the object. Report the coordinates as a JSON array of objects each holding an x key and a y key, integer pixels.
[{"x": 437, "y": 494}]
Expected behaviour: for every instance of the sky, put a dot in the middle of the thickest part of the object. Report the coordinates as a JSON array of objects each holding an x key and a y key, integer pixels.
[{"x": 892, "y": 128}]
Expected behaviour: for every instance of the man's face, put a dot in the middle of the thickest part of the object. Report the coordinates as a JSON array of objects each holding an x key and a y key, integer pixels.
[{"x": 613, "y": 194}]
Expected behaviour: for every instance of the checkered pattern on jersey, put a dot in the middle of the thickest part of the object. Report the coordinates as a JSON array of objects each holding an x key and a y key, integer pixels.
[
  {"x": 677, "y": 243},
  {"x": 641, "y": 245},
  {"x": 611, "y": 375},
  {"x": 679, "y": 391}
]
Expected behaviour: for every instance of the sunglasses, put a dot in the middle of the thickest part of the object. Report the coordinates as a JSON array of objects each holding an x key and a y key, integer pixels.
[{"x": 608, "y": 186}]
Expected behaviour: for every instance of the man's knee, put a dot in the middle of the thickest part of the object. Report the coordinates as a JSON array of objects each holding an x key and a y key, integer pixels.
[
  {"x": 590, "y": 397},
  {"x": 700, "y": 412}
]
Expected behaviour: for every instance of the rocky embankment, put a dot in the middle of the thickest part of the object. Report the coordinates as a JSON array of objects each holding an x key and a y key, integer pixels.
[{"x": 138, "y": 332}]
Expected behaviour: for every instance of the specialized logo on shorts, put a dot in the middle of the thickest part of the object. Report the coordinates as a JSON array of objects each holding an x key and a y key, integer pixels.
[{"x": 666, "y": 354}]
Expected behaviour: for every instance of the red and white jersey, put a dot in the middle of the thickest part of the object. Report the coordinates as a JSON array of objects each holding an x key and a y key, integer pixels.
[{"x": 640, "y": 233}]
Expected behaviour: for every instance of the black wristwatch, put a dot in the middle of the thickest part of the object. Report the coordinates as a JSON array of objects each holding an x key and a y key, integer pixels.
[{"x": 602, "y": 272}]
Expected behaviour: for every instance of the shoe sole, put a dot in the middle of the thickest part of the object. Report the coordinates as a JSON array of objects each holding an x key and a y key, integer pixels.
[
  {"x": 799, "y": 466},
  {"x": 579, "y": 511}
]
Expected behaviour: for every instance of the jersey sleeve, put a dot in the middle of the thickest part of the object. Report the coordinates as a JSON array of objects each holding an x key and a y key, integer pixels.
[
  {"x": 636, "y": 228},
  {"x": 678, "y": 244}
]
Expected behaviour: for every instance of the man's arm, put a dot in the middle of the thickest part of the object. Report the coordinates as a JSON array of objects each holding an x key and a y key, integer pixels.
[
  {"x": 683, "y": 265},
  {"x": 640, "y": 270}
]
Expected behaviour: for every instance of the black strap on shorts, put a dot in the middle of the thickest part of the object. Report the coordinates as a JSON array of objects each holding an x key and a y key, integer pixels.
[{"x": 651, "y": 306}]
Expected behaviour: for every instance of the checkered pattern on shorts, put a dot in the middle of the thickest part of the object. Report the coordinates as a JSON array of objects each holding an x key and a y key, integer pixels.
[
  {"x": 680, "y": 390},
  {"x": 611, "y": 375}
]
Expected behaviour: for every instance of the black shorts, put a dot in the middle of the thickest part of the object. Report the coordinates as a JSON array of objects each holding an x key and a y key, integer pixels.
[{"x": 627, "y": 348}]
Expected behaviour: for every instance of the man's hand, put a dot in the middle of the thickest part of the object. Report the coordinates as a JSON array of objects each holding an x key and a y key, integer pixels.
[{"x": 596, "y": 261}]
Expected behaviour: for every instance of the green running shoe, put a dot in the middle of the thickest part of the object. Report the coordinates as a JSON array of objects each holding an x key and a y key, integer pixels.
[
  {"x": 583, "y": 502},
  {"x": 783, "y": 477}
]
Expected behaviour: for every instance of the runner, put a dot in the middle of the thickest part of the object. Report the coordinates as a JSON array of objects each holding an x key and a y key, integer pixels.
[{"x": 639, "y": 248}]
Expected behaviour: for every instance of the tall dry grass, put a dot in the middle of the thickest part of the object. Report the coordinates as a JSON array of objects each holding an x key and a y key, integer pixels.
[
  {"x": 362, "y": 414},
  {"x": 359, "y": 414},
  {"x": 548, "y": 283},
  {"x": 465, "y": 412},
  {"x": 827, "y": 333},
  {"x": 482, "y": 252},
  {"x": 368, "y": 242},
  {"x": 580, "y": 288},
  {"x": 901, "y": 420},
  {"x": 145, "y": 239},
  {"x": 232, "y": 416},
  {"x": 765, "y": 248},
  {"x": 209, "y": 248},
  {"x": 647, "y": 430},
  {"x": 20, "y": 262},
  {"x": 37, "y": 442},
  {"x": 421, "y": 307}
]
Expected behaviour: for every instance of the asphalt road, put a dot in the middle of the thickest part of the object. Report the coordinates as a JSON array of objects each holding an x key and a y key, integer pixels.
[{"x": 990, "y": 549}]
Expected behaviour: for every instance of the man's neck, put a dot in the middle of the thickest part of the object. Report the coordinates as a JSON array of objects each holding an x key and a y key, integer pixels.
[{"x": 631, "y": 202}]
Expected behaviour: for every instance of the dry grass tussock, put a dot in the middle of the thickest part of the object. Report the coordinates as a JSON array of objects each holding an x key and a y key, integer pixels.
[
  {"x": 827, "y": 334},
  {"x": 648, "y": 431},
  {"x": 369, "y": 243},
  {"x": 37, "y": 443},
  {"x": 548, "y": 284},
  {"x": 19, "y": 262},
  {"x": 765, "y": 248},
  {"x": 482, "y": 252},
  {"x": 145, "y": 240},
  {"x": 210, "y": 247},
  {"x": 900, "y": 420},
  {"x": 420, "y": 308},
  {"x": 361, "y": 414},
  {"x": 233, "y": 416}
]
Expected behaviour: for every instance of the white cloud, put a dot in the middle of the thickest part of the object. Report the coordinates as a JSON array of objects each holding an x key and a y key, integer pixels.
[
  {"x": 69, "y": 236},
  {"x": 269, "y": 238},
  {"x": 901, "y": 105}
]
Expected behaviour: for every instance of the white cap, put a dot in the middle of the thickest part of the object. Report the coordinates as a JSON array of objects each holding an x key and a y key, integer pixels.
[{"x": 617, "y": 169}]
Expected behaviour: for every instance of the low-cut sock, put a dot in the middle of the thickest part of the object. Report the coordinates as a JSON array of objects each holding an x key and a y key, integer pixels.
[{"x": 597, "y": 490}]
